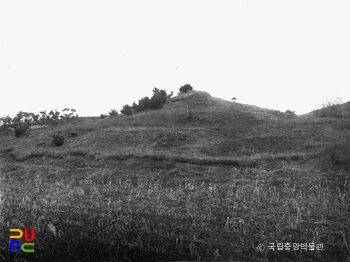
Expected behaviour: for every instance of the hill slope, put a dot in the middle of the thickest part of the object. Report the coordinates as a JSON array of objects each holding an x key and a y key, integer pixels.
[{"x": 193, "y": 170}]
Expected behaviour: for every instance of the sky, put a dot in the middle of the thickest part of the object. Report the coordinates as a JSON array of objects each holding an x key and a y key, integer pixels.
[{"x": 95, "y": 56}]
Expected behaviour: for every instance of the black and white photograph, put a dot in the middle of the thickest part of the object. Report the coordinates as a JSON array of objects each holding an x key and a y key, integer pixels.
[{"x": 199, "y": 130}]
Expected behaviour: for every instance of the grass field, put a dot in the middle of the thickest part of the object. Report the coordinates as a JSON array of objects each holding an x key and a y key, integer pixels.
[{"x": 221, "y": 184}]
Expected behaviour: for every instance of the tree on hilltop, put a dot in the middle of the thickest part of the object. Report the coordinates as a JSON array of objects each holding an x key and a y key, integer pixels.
[
  {"x": 127, "y": 110},
  {"x": 144, "y": 104},
  {"x": 112, "y": 112},
  {"x": 185, "y": 88},
  {"x": 158, "y": 99}
]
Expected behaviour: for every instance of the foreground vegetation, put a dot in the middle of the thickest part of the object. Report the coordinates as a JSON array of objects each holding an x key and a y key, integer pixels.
[{"x": 213, "y": 184}]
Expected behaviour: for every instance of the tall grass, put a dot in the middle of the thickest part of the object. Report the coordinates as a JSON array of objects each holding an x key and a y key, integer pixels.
[
  {"x": 336, "y": 156},
  {"x": 158, "y": 186},
  {"x": 103, "y": 218}
]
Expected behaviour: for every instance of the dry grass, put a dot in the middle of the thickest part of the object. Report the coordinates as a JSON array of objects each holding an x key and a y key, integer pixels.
[
  {"x": 101, "y": 215},
  {"x": 158, "y": 187}
]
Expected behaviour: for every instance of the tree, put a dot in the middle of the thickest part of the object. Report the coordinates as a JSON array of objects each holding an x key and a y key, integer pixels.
[
  {"x": 54, "y": 115},
  {"x": 185, "y": 88},
  {"x": 43, "y": 114},
  {"x": 144, "y": 104},
  {"x": 170, "y": 95},
  {"x": 127, "y": 110},
  {"x": 331, "y": 108},
  {"x": 112, "y": 112},
  {"x": 18, "y": 117},
  {"x": 6, "y": 120},
  {"x": 69, "y": 112},
  {"x": 35, "y": 117},
  {"x": 135, "y": 107},
  {"x": 290, "y": 112},
  {"x": 158, "y": 99}
]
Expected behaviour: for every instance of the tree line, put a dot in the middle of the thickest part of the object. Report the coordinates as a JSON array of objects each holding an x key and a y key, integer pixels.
[{"x": 157, "y": 101}]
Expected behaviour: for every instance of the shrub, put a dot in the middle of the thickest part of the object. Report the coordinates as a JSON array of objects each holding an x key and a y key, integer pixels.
[
  {"x": 6, "y": 120},
  {"x": 113, "y": 112},
  {"x": 20, "y": 130},
  {"x": 158, "y": 99},
  {"x": 345, "y": 124},
  {"x": 58, "y": 140},
  {"x": 144, "y": 104},
  {"x": 185, "y": 88},
  {"x": 168, "y": 97},
  {"x": 331, "y": 108},
  {"x": 170, "y": 139},
  {"x": 337, "y": 156},
  {"x": 127, "y": 110},
  {"x": 290, "y": 112},
  {"x": 135, "y": 107},
  {"x": 67, "y": 112},
  {"x": 73, "y": 134}
]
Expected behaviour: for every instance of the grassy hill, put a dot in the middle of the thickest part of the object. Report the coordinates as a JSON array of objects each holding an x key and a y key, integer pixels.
[{"x": 201, "y": 179}]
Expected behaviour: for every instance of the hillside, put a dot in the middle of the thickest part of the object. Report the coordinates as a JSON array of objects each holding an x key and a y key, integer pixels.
[
  {"x": 202, "y": 178},
  {"x": 334, "y": 108}
]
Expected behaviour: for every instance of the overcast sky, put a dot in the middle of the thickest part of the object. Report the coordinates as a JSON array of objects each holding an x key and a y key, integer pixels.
[{"x": 98, "y": 55}]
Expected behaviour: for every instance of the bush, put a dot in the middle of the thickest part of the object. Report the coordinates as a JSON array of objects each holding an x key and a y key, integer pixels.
[
  {"x": 127, "y": 110},
  {"x": 337, "y": 156},
  {"x": 170, "y": 139},
  {"x": 20, "y": 130},
  {"x": 186, "y": 88},
  {"x": 331, "y": 108},
  {"x": 345, "y": 124},
  {"x": 144, "y": 104},
  {"x": 158, "y": 99},
  {"x": 58, "y": 140},
  {"x": 113, "y": 112},
  {"x": 168, "y": 97},
  {"x": 290, "y": 112},
  {"x": 6, "y": 120}
]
